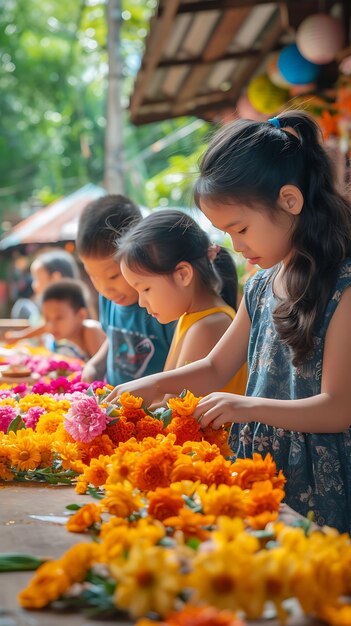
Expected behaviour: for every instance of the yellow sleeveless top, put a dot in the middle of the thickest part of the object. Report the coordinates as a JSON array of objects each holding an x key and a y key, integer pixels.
[{"x": 238, "y": 383}]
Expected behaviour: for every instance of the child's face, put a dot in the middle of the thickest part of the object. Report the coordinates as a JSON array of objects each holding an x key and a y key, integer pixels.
[
  {"x": 41, "y": 278},
  {"x": 62, "y": 321},
  {"x": 261, "y": 240},
  {"x": 161, "y": 295},
  {"x": 106, "y": 276}
]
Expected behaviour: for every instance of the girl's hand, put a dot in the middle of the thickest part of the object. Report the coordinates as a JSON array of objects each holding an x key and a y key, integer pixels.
[
  {"x": 219, "y": 408},
  {"x": 140, "y": 387}
]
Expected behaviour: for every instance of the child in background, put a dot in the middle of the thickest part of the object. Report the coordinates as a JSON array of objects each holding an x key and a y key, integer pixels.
[
  {"x": 46, "y": 268},
  {"x": 137, "y": 344},
  {"x": 168, "y": 259},
  {"x": 271, "y": 186},
  {"x": 65, "y": 311}
]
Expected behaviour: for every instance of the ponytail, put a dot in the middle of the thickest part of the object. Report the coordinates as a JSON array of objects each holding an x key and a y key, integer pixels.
[{"x": 226, "y": 270}]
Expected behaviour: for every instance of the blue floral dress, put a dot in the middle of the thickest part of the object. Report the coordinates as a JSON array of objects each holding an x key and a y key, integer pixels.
[{"x": 317, "y": 466}]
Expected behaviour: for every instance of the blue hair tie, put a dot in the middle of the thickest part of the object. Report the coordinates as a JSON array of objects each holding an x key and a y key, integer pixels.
[{"x": 275, "y": 121}]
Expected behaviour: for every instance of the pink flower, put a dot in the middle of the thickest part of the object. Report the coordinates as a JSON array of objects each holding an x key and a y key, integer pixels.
[
  {"x": 7, "y": 414},
  {"x": 32, "y": 416},
  {"x": 85, "y": 420}
]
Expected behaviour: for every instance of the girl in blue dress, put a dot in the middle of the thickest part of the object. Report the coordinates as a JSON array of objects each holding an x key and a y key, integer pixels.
[{"x": 271, "y": 186}]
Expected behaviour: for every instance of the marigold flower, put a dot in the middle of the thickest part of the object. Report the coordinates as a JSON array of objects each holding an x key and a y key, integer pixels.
[
  {"x": 148, "y": 427},
  {"x": 49, "y": 422},
  {"x": 121, "y": 431},
  {"x": 153, "y": 469},
  {"x": 148, "y": 581},
  {"x": 120, "y": 500},
  {"x": 50, "y": 581},
  {"x": 191, "y": 524},
  {"x": 227, "y": 500},
  {"x": 250, "y": 471},
  {"x": 201, "y": 451},
  {"x": 97, "y": 473},
  {"x": 85, "y": 420},
  {"x": 25, "y": 454},
  {"x": 164, "y": 502},
  {"x": 185, "y": 468},
  {"x": 217, "y": 472},
  {"x": 185, "y": 429},
  {"x": 79, "y": 559},
  {"x": 101, "y": 445},
  {"x": 185, "y": 406},
  {"x": 84, "y": 518},
  {"x": 200, "y": 616},
  {"x": 263, "y": 503}
]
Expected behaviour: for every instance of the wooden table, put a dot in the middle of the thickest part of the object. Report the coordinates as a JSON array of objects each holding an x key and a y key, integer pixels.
[{"x": 19, "y": 532}]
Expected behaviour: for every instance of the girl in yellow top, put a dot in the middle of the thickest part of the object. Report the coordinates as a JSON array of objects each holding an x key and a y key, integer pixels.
[{"x": 180, "y": 276}]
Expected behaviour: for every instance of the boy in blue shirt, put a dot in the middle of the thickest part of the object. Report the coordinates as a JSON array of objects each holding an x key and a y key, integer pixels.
[{"x": 137, "y": 344}]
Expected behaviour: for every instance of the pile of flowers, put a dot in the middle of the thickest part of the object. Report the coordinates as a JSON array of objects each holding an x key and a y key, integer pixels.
[
  {"x": 40, "y": 361},
  {"x": 194, "y": 548},
  {"x": 53, "y": 431}
]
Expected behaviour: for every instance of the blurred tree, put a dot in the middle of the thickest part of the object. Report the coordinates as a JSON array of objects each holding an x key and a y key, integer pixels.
[{"x": 53, "y": 59}]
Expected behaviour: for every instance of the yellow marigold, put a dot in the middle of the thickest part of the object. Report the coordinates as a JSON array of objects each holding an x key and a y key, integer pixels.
[
  {"x": 198, "y": 616},
  {"x": 164, "y": 502},
  {"x": 185, "y": 468},
  {"x": 79, "y": 559},
  {"x": 121, "y": 466},
  {"x": 44, "y": 443},
  {"x": 191, "y": 524},
  {"x": 49, "y": 422},
  {"x": 219, "y": 438},
  {"x": 84, "y": 518},
  {"x": 81, "y": 486},
  {"x": 201, "y": 450},
  {"x": 148, "y": 581},
  {"x": 336, "y": 615},
  {"x": 183, "y": 407},
  {"x": 127, "y": 401},
  {"x": 5, "y": 472},
  {"x": 50, "y": 581},
  {"x": 227, "y": 500},
  {"x": 249, "y": 471},
  {"x": 9, "y": 401},
  {"x": 97, "y": 472},
  {"x": 120, "y": 500},
  {"x": 68, "y": 452},
  {"x": 47, "y": 402},
  {"x": 25, "y": 455}
]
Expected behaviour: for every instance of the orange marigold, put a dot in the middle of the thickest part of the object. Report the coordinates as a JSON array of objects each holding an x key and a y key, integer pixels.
[
  {"x": 148, "y": 427},
  {"x": 84, "y": 518},
  {"x": 185, "y": 468},
  {"x": 201, "y": 451},
  {"x": 96, "y": 474},
  {"x": 164, "y": 502},
  {"x": 183, "y": 407},
  {"x": 219, "y": 438},
  {"x": 131, "y": 407},
  {"x": 153, "y": 469},
  {"x": 185, "y": 429},
  {"x": 263, "y": 498},
  {"x": 224, "y": 500},
  {"x": 101, "y": 445},
  {"x": 201, "y": 616},
  {"x": 121, "y": 431},
  {"x": 249, "y": 471},
  {"x": 191, "y": 524},
  {"x": 217, "y": 472}
]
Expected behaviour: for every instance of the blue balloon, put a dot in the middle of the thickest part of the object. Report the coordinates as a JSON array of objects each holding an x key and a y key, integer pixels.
[{"x": 295, "y": 68}]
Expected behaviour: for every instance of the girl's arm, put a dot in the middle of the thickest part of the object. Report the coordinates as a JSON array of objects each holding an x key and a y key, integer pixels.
[
  {"x": 94, "y": 336},
  {"x": 212, "y": 372},
  {"x": 95, "y": 368},
  {"x": 328, "y": 412}
]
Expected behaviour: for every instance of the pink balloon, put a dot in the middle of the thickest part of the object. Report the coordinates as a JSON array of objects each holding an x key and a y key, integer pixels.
[
  {"x": 246, "y": 110},
  {"x": 320, "y": 37}
]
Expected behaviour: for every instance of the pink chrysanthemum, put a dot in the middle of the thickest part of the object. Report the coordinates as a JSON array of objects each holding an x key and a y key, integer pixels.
[
  {"x": 85, "y": 420},
  {"x": 32, "y": 416},
  {"x": 7, "y": 414}
]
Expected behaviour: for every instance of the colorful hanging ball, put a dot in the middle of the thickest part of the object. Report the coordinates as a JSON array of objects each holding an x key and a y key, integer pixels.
[
  {"x": 273, "y": 72},
  {"x": 264, "y": 96},
  {"x": 320, "y": 37},
  {"x": 295, "y": 68},
  {"x": 247, "y": 112}
]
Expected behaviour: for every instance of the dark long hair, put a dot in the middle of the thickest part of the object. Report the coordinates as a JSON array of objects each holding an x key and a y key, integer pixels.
[
  {"x": 165, "y": 238},
  {"x": 249, "y": 162}
]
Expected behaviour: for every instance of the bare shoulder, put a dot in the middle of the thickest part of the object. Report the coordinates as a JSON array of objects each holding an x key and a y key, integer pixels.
[{"x": 216, "y": 322}]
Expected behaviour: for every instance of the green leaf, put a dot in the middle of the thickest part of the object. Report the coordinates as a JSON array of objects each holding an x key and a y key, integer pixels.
[
  {"x": 90, "y": 392},
  {"x": 183, "y": 393},
  {"x": 16, "y": 424},
  {"x": 166, "y": 417},
  {"x": 95, "y": 493},
  {"x": 16, "y": 562},
  {"x": 73, "y": 507}
]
